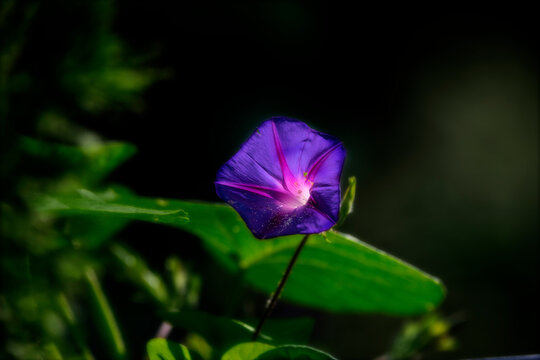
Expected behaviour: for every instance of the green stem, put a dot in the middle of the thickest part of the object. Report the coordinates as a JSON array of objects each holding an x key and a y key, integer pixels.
[
  {"x": 112, "y": 331},
  {"x": 275, "y": 296}
]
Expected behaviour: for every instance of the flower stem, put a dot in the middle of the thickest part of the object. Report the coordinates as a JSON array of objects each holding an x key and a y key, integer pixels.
[{"x": 275, "y": 296}]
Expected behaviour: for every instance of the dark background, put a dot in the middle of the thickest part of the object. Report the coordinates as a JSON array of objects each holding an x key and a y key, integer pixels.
[{"x": 437, "y": 108}]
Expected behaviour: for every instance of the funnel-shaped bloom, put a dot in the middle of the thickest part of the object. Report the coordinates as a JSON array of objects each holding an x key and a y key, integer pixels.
[{"x": 284, "y": 179}]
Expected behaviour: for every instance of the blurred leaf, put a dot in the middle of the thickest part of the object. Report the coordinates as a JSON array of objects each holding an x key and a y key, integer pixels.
[
  {"x": 136, "y": 269},
  {"x": 222, "y": 333},
  {"x": 347, "y": 202},
  {"x": 185, "y": 286},
  {"x": 416, "y": 336},
  {"x": 109, "y": 327},
  {"x": 178, "y": 277},
  {"x": 92, "y": 232},
  {"x": 75, "y": 328},
  {"x": 50, "y": 351},
  {"x": 246, "y": 351},
  {"x": 295, "y": 352},
  {"x": 334, "y": 272},
  {"x": 177, "y": 273},
  {"x": 109, "y": 77},
  {"x": 70, "y": 265},
  {"x": 92, "y": 161},
  {"x": 162, "y": 349},
  {"x": 199, "y": 347},
  {"x": 36, "y": 234},
  {"x": 54, "y": 125}
]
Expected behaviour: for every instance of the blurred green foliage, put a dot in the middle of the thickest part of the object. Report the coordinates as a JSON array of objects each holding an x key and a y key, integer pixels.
[
  {"x": 81, "y": 224},
  {"x": 430, "y": 333},
  {"x": 61, "y": 223},
  {"x": 52, "y": 268}
]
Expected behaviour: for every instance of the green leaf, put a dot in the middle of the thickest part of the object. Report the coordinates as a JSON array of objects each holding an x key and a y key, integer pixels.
[
  {"x": 347, "y": 202},
  {"x": 261, "y": 351},
  {"x": 222, "y": 333},
  {"x": 85, "y": 202},
  {"x": 346, "y": 275},
  {"x": 337, "y": 272},
  {"x": 91, "y": 232},
  {"x": 295, "y": 352},
  {"x": 162, "y": 349},
  {"x": 342, "y": 274},
  {"x": 246, "y": 351},
  {"x": 92, "y": 162}
]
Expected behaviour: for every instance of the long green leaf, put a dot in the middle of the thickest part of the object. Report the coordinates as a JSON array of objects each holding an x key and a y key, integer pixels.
[
  {"x": 109, "y": 327},
  {"x": 85, "y": 202},
  {"x": 335, "y": 272}
]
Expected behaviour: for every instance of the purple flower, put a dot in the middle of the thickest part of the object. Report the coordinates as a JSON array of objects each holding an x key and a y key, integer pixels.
[{"x": 284, "y": 180}]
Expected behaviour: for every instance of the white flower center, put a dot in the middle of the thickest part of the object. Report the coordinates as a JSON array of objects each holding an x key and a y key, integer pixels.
[{"x": 300, "y": 193}]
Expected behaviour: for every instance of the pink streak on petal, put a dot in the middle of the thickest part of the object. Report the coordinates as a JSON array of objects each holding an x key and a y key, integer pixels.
[
  {"x": 288, "y": 177},
  {"x": 283, "y": 196},
  {"x": 312, "y": 172}
]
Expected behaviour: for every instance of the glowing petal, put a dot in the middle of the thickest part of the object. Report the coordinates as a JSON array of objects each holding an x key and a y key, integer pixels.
[{"x": 284, "y": 179}]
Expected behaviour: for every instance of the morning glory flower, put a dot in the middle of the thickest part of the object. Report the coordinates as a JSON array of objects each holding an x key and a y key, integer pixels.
[{"x": 284, "y": 180}]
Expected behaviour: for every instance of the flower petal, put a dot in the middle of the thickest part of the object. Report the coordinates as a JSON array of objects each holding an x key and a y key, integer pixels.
[
  {"x": 325, "y": 192},
  {"x": 267, "y": 218},
  {"x": 301, "y": 145},
  {"x": 284, "y": 179},
  {"x": 256, "y": 162},
  {"x": 288, "y": 178}
]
